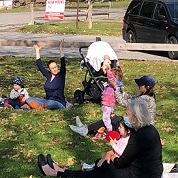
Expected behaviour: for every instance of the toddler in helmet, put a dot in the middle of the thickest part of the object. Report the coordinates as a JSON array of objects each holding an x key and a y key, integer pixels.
[{"x": 18, "y": 94}]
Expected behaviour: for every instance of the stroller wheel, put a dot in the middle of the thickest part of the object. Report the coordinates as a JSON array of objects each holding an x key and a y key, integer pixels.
[{"x": 79, "y": 96}]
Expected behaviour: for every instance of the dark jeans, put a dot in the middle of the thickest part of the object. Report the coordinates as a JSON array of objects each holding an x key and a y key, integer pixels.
[
  {"x": 115, "y": 121},
  {"x": 15, "y": 103},
  {"x": 96, "y": 173}
]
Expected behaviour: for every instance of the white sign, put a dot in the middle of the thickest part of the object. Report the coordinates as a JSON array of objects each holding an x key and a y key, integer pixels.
[
  {"x": 7, "y": 3},
  {"x": 55, "y": 9}
]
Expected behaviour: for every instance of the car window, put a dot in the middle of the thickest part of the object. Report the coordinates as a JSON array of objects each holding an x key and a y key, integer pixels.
[
  {"x": 173, "y": 9},
  {"x": 134, "y": 8},
  {"x": 147, "y": 9},
  {"x": 160, "y": 11}
]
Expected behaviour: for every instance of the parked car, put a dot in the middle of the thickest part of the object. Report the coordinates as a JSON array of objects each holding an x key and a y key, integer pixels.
[{"x": 152, "y": 21}]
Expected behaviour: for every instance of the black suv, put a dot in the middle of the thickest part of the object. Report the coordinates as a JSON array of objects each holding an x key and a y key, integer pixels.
[{"x": 152, "y": 21}]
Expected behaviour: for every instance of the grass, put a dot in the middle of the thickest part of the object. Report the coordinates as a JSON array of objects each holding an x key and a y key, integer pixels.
[
  {"x": 98, "y": 28},
  {"x": 25, "y": 134}
]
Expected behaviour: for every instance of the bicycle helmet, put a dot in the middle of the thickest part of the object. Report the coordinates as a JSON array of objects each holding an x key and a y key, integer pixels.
[{"x": 18, "y": 80}]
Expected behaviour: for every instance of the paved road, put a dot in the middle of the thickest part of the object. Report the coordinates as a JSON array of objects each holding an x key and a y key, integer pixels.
[{"x": 10, "y": 21}]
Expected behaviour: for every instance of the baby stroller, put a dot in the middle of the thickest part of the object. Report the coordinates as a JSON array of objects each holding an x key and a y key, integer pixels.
[{"x": 94, "y": 86}]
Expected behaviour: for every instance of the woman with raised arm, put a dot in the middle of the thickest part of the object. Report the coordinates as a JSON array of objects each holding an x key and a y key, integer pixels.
[{"x": 54, "y": 85}]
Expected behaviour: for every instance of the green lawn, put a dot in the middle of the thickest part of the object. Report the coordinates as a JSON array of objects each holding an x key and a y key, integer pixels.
[
  {"x": 98, "y": 28},
  {"x": 25, "y": 134}
]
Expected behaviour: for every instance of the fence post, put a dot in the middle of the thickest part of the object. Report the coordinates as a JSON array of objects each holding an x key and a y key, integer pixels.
[
  {"x": 89, "y": 14},
  {"x": 32, "y": 15},
  {"x": 77, "y": 14}
]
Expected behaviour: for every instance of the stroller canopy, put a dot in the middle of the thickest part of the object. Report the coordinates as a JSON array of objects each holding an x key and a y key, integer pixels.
[{"x": 96, "y": 52}]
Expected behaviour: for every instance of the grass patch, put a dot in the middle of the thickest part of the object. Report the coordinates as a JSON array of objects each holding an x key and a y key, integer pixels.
[
  {"x": 25, "y": 134},
  {"x": 99, "y": 28}
]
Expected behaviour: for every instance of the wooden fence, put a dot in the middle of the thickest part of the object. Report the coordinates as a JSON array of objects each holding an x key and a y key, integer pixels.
[{"x": 115, "y": 46}]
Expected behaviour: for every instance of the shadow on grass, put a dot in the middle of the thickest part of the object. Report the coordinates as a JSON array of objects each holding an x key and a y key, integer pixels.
[{"x": 25, "y": 134}]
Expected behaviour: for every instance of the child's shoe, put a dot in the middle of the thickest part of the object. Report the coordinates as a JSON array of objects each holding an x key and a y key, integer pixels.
[
  {"x": 87, "y": 167},
  {"x": 83, "y": 130},
  {"x": 78, "y": 122},
  {"x": 100, "y": 135},
  {"x": 7, "y": 106},
  {"x": 69, "y": 105}
]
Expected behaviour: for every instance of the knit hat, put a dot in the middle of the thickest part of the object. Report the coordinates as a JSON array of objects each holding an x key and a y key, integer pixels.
[
  {"x": 146, "y": 80},
  {"x": 18, "y": 80}
]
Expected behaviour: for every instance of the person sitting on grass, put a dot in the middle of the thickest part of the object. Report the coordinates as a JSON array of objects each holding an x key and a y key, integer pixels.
[
  {"x": 108, "y": 99},
  {"x": 142, "y": 157},
  {"x": 145, "y": 85},
  {"x": 125, "y": 130},
  {"x": 18, "y": 95},
  {"x": 54, "y": 85}
]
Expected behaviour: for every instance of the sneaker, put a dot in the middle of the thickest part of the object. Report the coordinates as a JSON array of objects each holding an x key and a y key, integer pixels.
[
  {"x": 69, "y": 105},
  {"x": 87, "y": 167},
  {"x": 101, "y": 130},
  {"x": 78, "y": 122},
  {"x": 99, "y": 136},
  {"x": 83, "y": 131}
]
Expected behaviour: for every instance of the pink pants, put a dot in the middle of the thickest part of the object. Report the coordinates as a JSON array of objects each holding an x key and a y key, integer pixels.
[{"x": 107, "y": 111}]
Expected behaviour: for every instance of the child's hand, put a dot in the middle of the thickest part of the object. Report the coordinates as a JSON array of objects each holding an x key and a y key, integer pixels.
[
  {"x": 23, "y": 100},
  {"x": 112, "y": 142},
  {"x": 36, "y": 47},
  {"x": 105, "y": 68},
  {"x": 108, "y": 67},
  {"x": 112, "y": 157}
]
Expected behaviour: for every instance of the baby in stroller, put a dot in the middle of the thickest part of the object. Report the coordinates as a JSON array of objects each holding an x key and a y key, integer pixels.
[{"x": 95, "y": 61}]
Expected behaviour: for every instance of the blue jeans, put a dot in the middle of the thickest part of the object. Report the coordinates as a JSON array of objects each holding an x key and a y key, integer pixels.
[{"x": 49, "y": 104}]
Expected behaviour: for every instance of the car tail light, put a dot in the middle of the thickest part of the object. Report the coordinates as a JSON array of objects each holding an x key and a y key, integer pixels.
[{"x": 123, "y": 19}]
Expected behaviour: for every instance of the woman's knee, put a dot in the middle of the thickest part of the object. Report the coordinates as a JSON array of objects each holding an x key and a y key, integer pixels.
[{"x": 51, "y": 104}]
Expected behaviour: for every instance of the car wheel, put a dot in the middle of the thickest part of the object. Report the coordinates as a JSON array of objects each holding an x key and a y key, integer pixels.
[
  {"x": 130, "y": 37},
  {"x": 173, "y": 54},
  {"x": 79, "y": 96}
]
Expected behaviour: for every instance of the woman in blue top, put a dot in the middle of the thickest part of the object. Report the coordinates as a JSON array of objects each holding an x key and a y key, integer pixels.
[{"x": 54, "y": 85}]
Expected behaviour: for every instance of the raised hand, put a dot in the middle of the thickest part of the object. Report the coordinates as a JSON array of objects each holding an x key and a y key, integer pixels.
[
  {"x": 112, "y": 141},
  {"x": 36, "y": 47}
]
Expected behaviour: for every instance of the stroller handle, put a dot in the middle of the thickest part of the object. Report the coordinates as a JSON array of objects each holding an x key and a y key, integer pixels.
[{"x": 80, "y": 49}]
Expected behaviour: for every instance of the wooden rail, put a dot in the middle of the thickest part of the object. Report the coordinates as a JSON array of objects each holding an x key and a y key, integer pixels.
[
  {"x": 83, "y": 11},
  {"x": 115, "y": 46},
  {"x": 95, "y": 9}
]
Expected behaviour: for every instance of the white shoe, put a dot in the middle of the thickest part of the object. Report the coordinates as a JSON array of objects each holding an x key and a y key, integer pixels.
[
  {"x": 78, "y": 122},
  {"x": 80, "y": 130},
  {"x": 87, "y": 167},
  {"x": 69, "y": 105}
]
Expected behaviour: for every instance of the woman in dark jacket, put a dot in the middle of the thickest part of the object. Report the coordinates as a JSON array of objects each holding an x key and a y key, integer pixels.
[
  {"x": 54, "y": 85},
  {"x": 142, "y": 157}
]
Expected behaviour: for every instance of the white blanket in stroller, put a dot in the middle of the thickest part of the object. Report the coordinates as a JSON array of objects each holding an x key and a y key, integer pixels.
[{"x": 96, "y": 52}]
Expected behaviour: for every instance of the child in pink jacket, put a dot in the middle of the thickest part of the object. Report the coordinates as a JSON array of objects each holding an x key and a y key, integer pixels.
[{"x": 108, "y": 98}]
